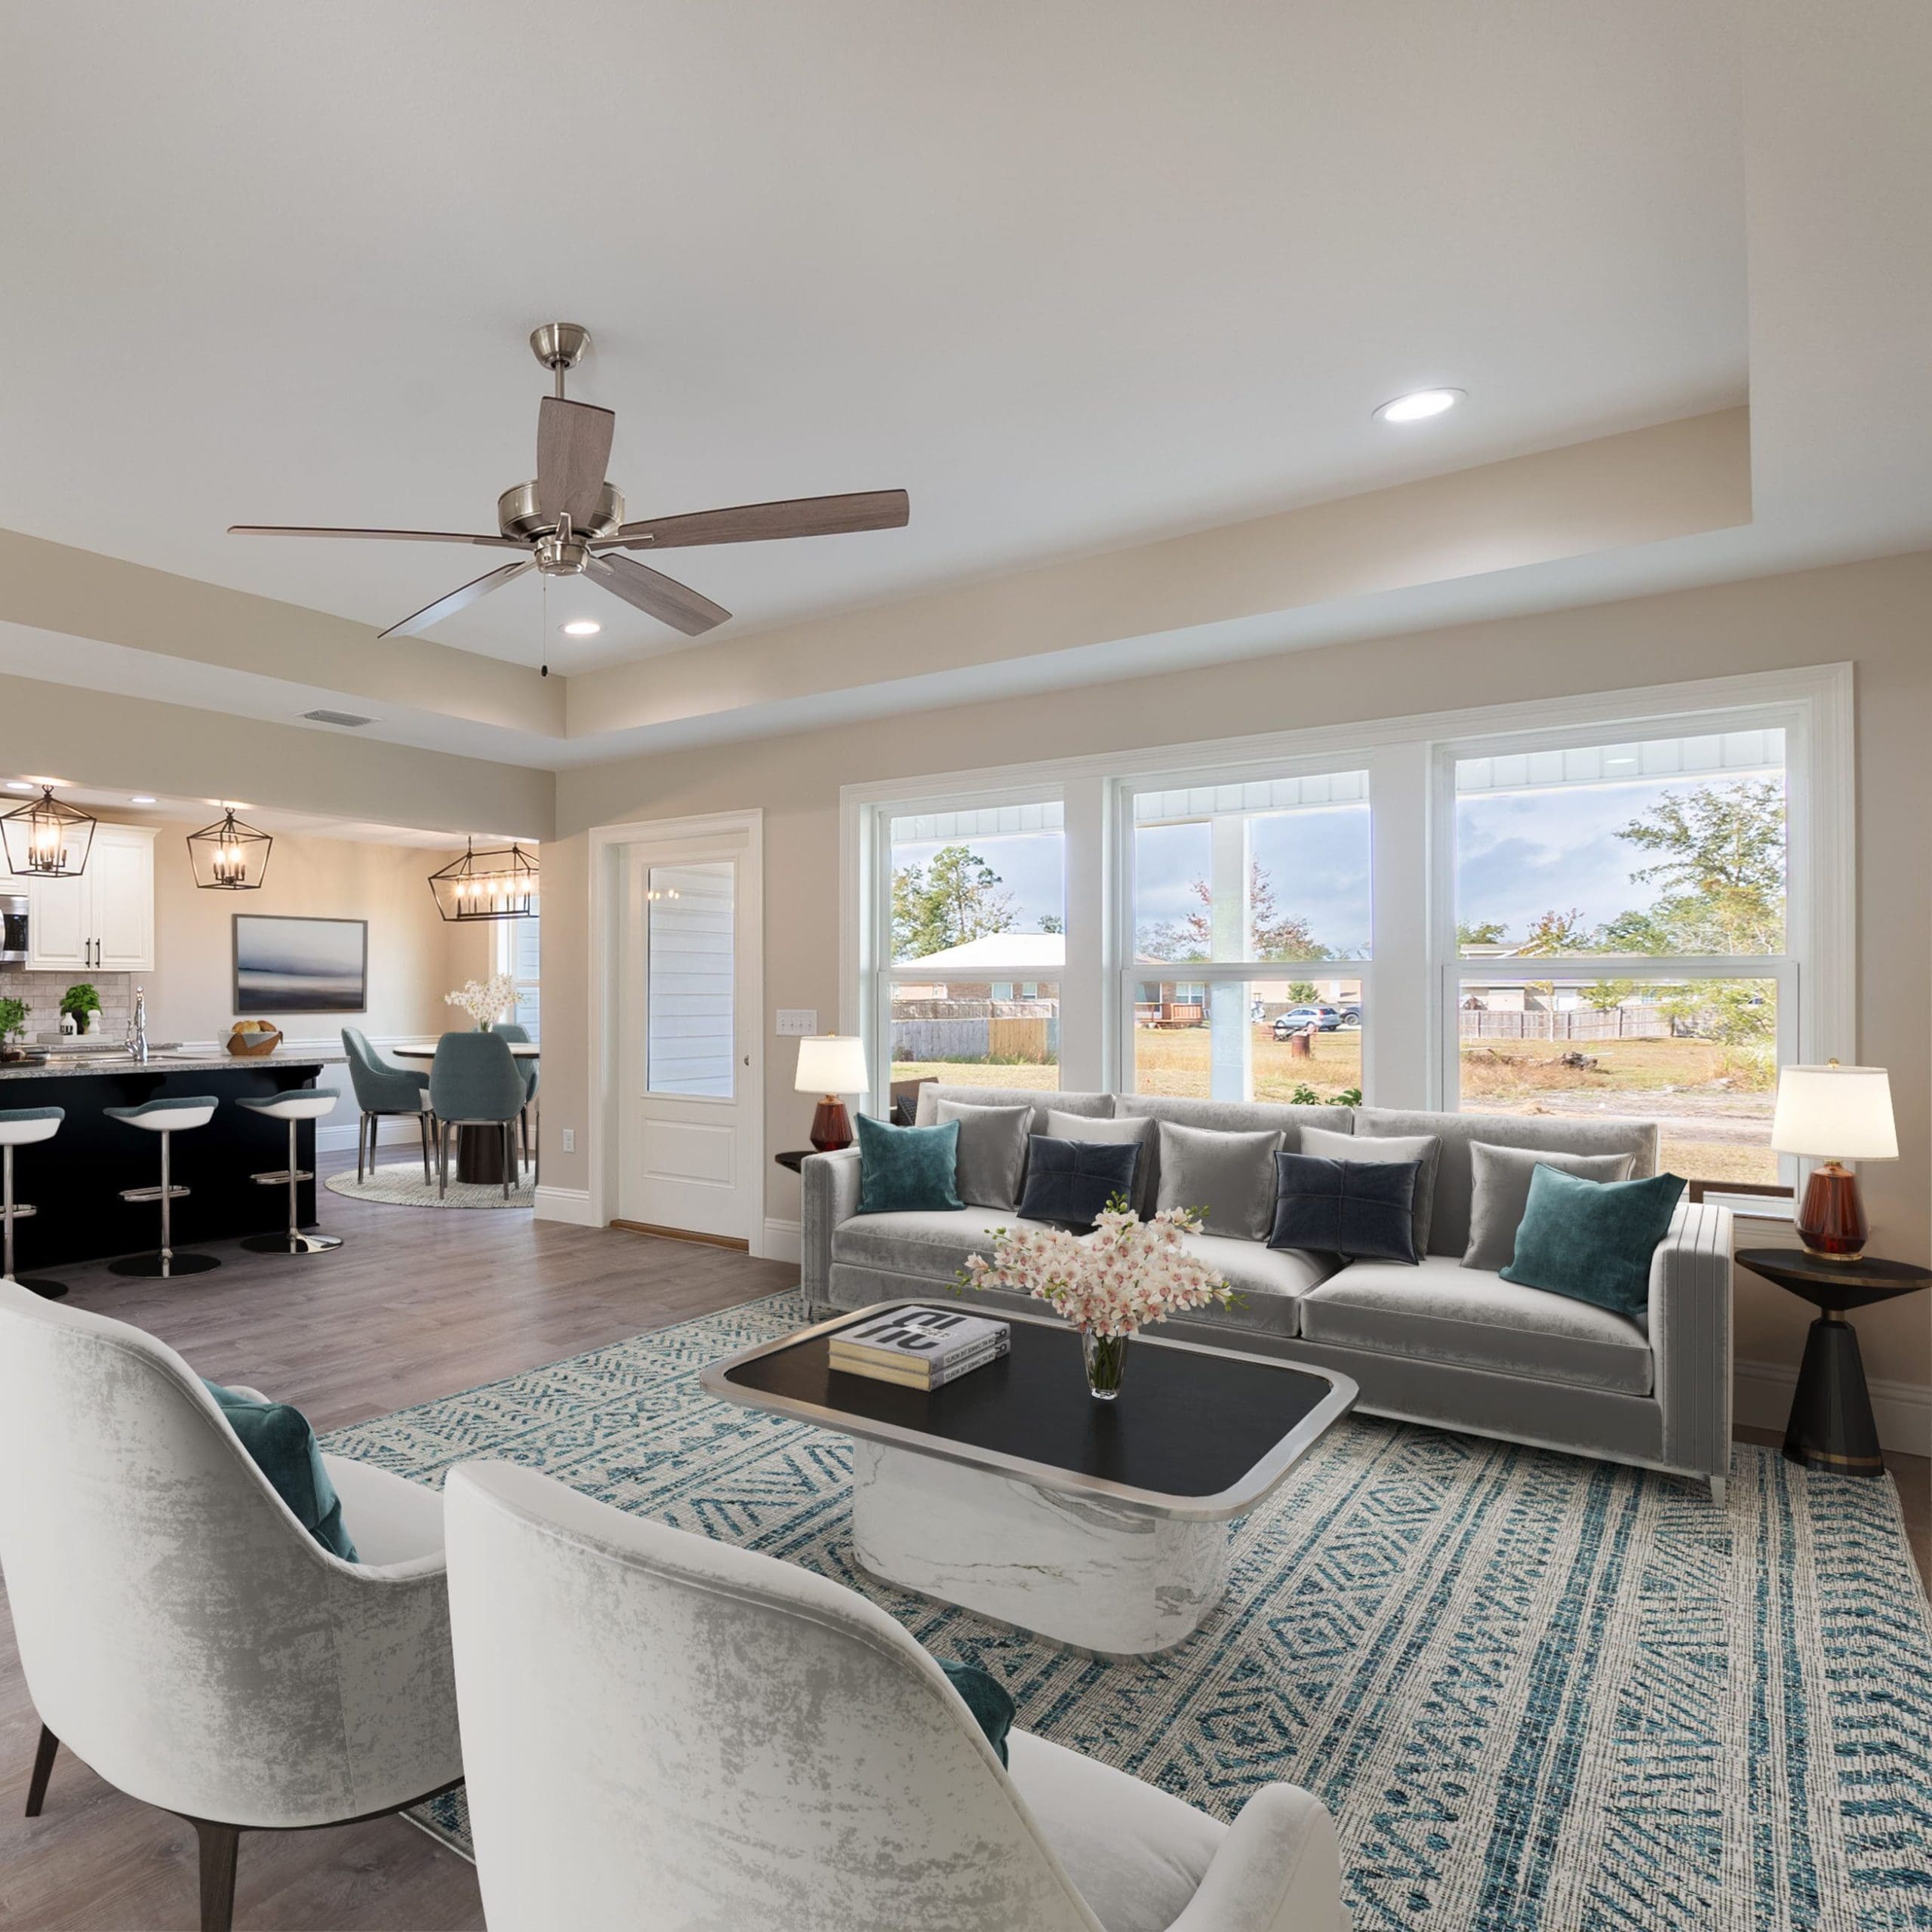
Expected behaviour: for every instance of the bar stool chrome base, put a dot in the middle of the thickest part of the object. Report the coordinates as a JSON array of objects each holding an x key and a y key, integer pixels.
[
  {"x": 298, "y": 1243},
  {"x": 162, "y": 1267},
  {"x": 23, "y": 1128},
  {"x": 300, "y": 1104}
]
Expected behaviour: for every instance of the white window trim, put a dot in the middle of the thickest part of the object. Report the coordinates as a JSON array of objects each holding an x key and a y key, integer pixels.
[{"x": 1413, "y": 897}]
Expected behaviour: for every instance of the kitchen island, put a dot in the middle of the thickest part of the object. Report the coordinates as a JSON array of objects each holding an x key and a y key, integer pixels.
[{"x": 75, "y": 1180}]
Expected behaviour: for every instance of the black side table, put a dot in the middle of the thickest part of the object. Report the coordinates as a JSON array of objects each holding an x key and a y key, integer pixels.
[
  {"x": 794, "y": 1158},
  {"x": 1831, "y": 1426}
]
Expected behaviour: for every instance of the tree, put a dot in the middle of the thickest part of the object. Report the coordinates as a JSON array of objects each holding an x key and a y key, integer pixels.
[
  {"x": 1607, "y": 995},
  {"x": 1052, "y": 922},
  {"x": 1721, "y": 860},
  {"x": 1273, "y": 934},
  {"x": 1554, "y": 932},
  {"x": 955, "y": 896},
  {"x": 1303, "y": 992},
  {"x": 1483, "y": 932}
]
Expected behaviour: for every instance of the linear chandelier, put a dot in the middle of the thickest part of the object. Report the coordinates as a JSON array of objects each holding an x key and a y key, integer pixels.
[{"x": 498, "y": 885}]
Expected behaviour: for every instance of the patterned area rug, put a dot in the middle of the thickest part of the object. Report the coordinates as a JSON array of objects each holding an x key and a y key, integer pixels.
[
  {"x": 1538, "y": 1693},
  {"x": 400, "y": 1184}
]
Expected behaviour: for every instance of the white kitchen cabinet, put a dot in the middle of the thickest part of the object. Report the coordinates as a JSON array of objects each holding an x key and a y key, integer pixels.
[{"x": 101, "y": 921}]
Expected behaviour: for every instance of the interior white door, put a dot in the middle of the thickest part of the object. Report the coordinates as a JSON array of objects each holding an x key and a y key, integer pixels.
[{"x": 691, "y": 1091}]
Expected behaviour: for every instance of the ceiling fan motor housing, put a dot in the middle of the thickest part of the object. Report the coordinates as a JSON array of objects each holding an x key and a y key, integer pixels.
[{"x": 518, "y": 515}]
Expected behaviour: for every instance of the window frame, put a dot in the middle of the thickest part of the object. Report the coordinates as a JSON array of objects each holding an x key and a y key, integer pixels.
[{"x": 502, "y": 954}]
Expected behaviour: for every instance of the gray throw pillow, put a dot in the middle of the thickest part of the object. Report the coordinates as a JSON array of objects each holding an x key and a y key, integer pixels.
[
  {"x": 1500, "y": 1192},
  {"x": 1077, "y": 1127},
  {"x": 1229, "y": 1177},
  {"x": 1423, "y": 1147},
  {"x": 992, "y": 1152}
]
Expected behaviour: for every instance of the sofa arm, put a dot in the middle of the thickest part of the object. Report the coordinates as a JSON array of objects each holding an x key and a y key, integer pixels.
[
  {"x": 830, "y": 1195},
  {"x": 1690, "y": 1339},
  {"x": 1278, "y": 1869}
]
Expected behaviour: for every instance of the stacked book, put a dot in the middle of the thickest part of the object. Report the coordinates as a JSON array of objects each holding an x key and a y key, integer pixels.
[{"x": 923, "y": 1348}]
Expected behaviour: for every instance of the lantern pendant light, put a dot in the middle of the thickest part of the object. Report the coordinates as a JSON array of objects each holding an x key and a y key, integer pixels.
[
  {"x": 229, "y": 856},
  {"x": 47, "y": 839},
  {"x": 499, "y": 885}
]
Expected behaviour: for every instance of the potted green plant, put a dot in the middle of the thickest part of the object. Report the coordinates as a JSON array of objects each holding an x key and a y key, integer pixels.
[
  {"x": 80, "y": 1003},
  {"x": 13, "y": 1026}
]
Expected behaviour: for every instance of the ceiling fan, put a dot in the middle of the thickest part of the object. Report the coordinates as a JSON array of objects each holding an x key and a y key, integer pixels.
[{"x": 570, "y": 521}]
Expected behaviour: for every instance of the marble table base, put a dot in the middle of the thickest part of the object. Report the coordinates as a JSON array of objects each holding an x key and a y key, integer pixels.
[{"x": 1108, "y": 1576}]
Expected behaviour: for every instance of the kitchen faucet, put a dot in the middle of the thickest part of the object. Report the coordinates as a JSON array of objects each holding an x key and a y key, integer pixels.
[{"x": 137, "y": 1028}]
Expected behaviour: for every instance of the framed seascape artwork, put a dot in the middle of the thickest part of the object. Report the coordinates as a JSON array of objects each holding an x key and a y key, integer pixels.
[{"x": 290, "y": 965}]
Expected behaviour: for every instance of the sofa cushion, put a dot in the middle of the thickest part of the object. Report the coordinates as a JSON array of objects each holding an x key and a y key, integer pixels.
[
  {"x": 1099, "y": 1107},
  {"x": 1569, "y": 1134},
  {"x": 1069, "y": 1182},
  {"x": 1229, "y": 1177},
  {"x": 1443, "y": 1312},
  {"x": 1142, "y": 1132},
  {"x": 923, "y": 1245},
  {"x": 1362, "y": 1209},
  {"x": 1591, "y": 1240},
  {"x": 1422, "y": 1149},
  {"x": 1270, "y": 1282},
  {"x": 992, "y": 1152},
  {"x": 902, "y": 1168},
  {"x": 1501, "y": 1177},
  {"x": 1231, "y": 1116}
]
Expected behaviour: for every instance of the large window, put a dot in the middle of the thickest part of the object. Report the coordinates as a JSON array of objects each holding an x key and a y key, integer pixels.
[
  {"x": 1634, "y": 904},
  {"x": 975, "y": 914},
  {"x": 519, "y": 949},
  {"x": 1621, "y": 915},
  {"x": 1251, "y": 918}
]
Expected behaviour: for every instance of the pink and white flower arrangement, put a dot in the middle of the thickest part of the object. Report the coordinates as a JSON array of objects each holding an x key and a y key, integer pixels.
[
  {"x": 484, "y": 1000},
  {"x": 1109, "y": 1284}
]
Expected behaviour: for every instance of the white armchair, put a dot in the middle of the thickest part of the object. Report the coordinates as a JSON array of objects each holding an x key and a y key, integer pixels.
[
  {"x": 659, "y": 1726},
  {"x": 179, "y": 1629}
]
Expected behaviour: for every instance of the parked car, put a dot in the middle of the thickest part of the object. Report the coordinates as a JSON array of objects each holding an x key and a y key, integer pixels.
[{"x": 1327, "y": 1018}]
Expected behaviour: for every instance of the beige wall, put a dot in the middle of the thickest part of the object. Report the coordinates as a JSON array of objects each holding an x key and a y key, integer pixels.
[{"x": 1877, "y": 615}]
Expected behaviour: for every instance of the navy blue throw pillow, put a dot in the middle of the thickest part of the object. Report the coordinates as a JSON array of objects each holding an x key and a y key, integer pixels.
[
  {"x": 1363, "y": 1209},
  {"x": 1069, "y": 1182}
]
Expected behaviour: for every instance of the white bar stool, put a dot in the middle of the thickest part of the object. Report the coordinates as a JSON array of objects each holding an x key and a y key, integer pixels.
[
  {"x": 304, "y": 1104},
  {"x": 21, "y": 1127},
  {"x": 166, "y": 1117}
]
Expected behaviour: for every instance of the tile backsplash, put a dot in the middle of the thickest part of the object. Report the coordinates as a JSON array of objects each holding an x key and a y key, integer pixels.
[{"x": 42, "y": 991}]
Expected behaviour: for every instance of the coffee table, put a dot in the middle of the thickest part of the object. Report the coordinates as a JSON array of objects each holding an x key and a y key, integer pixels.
[{"x": 1012, "y": 1493}]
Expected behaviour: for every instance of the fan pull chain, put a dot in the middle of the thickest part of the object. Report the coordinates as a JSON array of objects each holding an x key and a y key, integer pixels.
[{"x": 546, "y": 625}]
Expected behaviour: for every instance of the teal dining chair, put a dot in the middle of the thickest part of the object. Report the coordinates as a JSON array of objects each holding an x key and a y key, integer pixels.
[{"x": 474, "y": 1082}]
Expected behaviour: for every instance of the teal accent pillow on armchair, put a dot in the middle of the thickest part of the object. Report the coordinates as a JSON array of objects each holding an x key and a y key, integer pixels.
[
  {"x": 282, "y": 1446},
  {"x": 1592, "y": 1240},
  {"x": 903, "y": 1169},
  {"x": 986, "y": 1697}
]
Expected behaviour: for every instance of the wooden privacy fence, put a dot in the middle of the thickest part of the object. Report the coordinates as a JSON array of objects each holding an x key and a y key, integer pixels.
[
  {"x": 1620, "y": 1023},
  {"x": 1032, "y": 1041}
]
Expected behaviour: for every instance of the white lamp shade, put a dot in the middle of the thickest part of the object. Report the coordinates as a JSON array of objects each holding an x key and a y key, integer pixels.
[
  {"x": 1835, "y": 1113},
  {"x": 833, "y": 1064}
]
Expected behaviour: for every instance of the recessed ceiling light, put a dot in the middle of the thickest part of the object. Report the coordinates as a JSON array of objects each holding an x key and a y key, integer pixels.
[
  {"x": 1419, "y": 405},
  {"x": 582, "y": 627},
  {"x": 18, "y": 785},
  {"x": 141, "y": 798}
]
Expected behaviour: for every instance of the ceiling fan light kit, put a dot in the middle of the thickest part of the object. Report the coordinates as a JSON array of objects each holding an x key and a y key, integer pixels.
[
  {"x": 229, "y": 856},
  {"x": 47, "y": 839},
  {"x": 568, "y": 521},
  {"x": 499, "y": 884}
]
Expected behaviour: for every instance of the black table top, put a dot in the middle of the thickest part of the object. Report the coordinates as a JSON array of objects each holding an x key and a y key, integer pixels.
[
  {"x": 1196, "y": 1431},
  {"x": 1831, "y": 1281}
]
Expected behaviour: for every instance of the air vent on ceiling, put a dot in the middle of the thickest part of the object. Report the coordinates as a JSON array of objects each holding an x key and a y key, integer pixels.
[{"x": 346, "y": 718}]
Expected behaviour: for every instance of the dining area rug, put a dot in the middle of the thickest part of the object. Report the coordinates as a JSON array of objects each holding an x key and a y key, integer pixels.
[
  {"x": 400, "y": 1184},
  {"x": 1537, "y": 1693}
]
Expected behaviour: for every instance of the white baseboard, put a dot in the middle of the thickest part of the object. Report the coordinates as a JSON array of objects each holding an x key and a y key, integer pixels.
[
  {"x": 565, "y": 1203},
  {"x": 784, "y": 1241},
  {"x": 341, "y": 1135},
  {"x": 1903, "y": 1410}
]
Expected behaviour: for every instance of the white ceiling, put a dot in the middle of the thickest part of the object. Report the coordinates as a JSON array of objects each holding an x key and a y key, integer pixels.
[{"x": 1073, "y": 275}]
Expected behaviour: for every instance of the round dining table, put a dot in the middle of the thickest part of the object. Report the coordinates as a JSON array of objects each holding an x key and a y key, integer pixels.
[{"x": 479, "y": 1150}]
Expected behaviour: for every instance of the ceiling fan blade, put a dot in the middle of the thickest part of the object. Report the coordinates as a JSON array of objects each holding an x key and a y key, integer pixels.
[
  {"x": 572, "y": 452},
  {"x": 662, "y": 597},
  {"x": 759, "y": 523},
  {"x": 460, "y": 600},
  {"x": 386, "y": 535}
]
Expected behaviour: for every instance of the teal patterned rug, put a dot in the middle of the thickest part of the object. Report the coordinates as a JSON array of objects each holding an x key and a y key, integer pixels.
[{"x": 1538, "y": 1694}]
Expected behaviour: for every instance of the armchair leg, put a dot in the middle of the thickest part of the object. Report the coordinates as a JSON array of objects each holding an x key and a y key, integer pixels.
[
  {"x": 220, "y": 1843},
  {"x": 361, "y": 1142},
  {"x": 442, "y": 1159},
  {"x": 43, "y": 1770},
  {"x": 509, "y": 1157},
  {"x": 424, "y": 1119}
]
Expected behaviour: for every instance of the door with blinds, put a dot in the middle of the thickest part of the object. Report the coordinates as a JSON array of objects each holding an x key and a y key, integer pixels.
[{"x": 688, "y": 1029}]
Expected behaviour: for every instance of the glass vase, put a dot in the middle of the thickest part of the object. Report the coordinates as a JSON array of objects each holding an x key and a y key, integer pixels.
[{"x": 1106, "y": 1358}]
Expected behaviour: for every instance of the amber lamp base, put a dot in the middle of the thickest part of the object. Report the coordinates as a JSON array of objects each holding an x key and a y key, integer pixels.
[
  {"x": 1830, "y": 1220},
  {"x": 832, "y": 1126}
]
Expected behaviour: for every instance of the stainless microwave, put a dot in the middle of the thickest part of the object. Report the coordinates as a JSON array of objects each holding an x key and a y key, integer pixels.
[{"x": 13, "y": 929}]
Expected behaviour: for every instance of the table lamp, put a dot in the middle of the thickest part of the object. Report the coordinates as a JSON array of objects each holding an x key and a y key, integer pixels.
[
  {"x": 1835, "y": 1114},
  {"x": 830, "y": 1065}
]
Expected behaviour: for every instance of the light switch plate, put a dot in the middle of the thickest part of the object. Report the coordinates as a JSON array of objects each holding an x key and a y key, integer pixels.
[{"x": 797, "y": 1022}]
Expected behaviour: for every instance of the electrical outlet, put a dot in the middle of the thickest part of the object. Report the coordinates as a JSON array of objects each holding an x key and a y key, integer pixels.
[
  {"x": 797, "y": 1022},
  {"x": 570, "y": 1140}
]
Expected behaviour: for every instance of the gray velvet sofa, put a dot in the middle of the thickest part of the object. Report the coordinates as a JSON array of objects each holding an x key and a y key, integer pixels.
[{"x": 1439, "y": 1343}]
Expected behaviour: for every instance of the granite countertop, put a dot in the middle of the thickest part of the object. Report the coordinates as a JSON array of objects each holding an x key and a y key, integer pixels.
[{"x": 178, "y": 1059}]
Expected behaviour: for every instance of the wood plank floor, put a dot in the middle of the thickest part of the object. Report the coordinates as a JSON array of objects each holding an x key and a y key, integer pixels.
[{"x": 418, "y": 1306}]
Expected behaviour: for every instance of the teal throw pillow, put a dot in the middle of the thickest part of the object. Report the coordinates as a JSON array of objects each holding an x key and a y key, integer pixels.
[
  {"x": 902, "y": 1169},
  {"x": 1592, "y": 1240},
  {"x": 282, "y": 1446},
  {"x": 986, "y": 1697}
]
